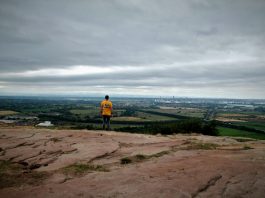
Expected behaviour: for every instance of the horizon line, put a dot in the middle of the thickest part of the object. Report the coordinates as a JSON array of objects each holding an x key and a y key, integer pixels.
[{"x": 125, "y": 96}]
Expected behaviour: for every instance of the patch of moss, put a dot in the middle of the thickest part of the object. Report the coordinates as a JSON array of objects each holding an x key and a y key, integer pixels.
[
  {"x": 201, "y": 146},
  {"x": 83, "y": 168},
  {"x": 7, "y": 166},
  {"x": 13, "y": 174},
  {"x": 141, "y": 157},
  {"x": 160, "y": 154}
]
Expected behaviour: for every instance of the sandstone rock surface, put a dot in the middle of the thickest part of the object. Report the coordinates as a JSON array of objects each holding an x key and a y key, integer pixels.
[{"x": 155, "y": 166}]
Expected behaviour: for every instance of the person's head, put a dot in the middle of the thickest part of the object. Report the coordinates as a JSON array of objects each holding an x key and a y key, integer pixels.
[{"x": 106, "y": 97}]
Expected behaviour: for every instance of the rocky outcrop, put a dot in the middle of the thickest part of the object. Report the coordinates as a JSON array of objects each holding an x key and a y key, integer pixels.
[{"x": 110, "y": 164}]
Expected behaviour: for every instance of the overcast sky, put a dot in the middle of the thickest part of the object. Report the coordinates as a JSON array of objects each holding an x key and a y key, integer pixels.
[{"x": 194, "y": 48}]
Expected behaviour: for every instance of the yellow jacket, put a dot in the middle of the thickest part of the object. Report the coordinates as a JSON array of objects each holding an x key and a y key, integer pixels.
[{"x": 106, "y": 107}]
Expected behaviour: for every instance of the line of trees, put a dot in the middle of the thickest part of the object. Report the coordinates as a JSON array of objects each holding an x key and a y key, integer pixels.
[{"x": 180, "y": 126}]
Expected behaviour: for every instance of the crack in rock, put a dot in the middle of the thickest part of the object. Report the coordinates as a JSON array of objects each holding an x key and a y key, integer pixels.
[
  {"x": 15, "y": 146},
  {"x": 103, "y": 155},
  {"x": 205, "y": 187},
  {"x": 26, "y": 137},
  {"x": 14, "y": 157},
  {"x": 30, "y": 157}
]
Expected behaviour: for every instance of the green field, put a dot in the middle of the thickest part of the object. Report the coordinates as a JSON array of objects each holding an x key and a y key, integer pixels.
[
  {"x": 255, "y": 125},
  {"x": 190, "y": 112},
  {"x": 223, "y": 131},
  {"x": 93, "y": 112},
  {"x": 143, "y": 117},
  {"x": 245, "y": 115},
  {"x": 152, "y": 117},
  {"x": 86, "y": 112},
  {"x": 127, "y": 118}
]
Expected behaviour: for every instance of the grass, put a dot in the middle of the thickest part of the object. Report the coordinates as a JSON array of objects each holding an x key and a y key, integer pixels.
[
  {"x": 141, "y": 157},
  {"x": 86, "y": 112},
  {"x": 191, "y": 146},
  {"x": 127, "y": 118},
  {"x": 241, "y": 112},
  {"x": 142, "y": 117},
  {"x": 249, "y": 119},
  {"x": 80, "y": 111},
  {"x": 79, "y": 169},
  {"x": 223, "y": 131},
  {"x": 7, "y": 166},
  {"x": 201, "y": 146},
  {"x": 160, "y": 154},
  {"x": 13, "y": 174},
  {"x": 191, "y": 112},
  {"x": 152, "y": 117},
  {"x": 255, "y": 125},
  {"x": 117, "y": 126}
]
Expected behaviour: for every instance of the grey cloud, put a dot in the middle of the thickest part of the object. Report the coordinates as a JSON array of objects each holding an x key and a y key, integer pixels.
[
  {"x": 38, "y": 34},
  {"x": 224, "y": 74}
]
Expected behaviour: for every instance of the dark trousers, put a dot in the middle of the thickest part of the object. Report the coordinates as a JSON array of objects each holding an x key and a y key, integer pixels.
[{"x": 106, "y": 122}]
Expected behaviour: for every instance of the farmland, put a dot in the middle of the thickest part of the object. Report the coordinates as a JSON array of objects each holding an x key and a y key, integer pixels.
[
  {"x": 79, "y": 113},
  {"x": 239, "y": 133},
  {"x": 4, "y": 113}
]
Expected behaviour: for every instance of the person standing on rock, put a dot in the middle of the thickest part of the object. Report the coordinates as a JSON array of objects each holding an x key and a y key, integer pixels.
[{"x": 106, "y": 112}]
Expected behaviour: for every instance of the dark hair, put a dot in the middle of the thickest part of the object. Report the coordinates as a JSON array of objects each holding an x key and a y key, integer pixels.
[{"x": 106, "y": 97}]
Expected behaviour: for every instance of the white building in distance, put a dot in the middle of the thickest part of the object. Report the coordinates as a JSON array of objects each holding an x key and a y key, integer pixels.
[{"x": 45, "y": 124}]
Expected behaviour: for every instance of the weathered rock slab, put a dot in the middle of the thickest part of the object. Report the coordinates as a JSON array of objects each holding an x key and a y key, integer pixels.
[{"x": 172, "y": 166}]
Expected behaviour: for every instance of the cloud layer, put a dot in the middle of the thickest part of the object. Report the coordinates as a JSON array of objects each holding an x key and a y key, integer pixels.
[{"x": 203, "y": 48}]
